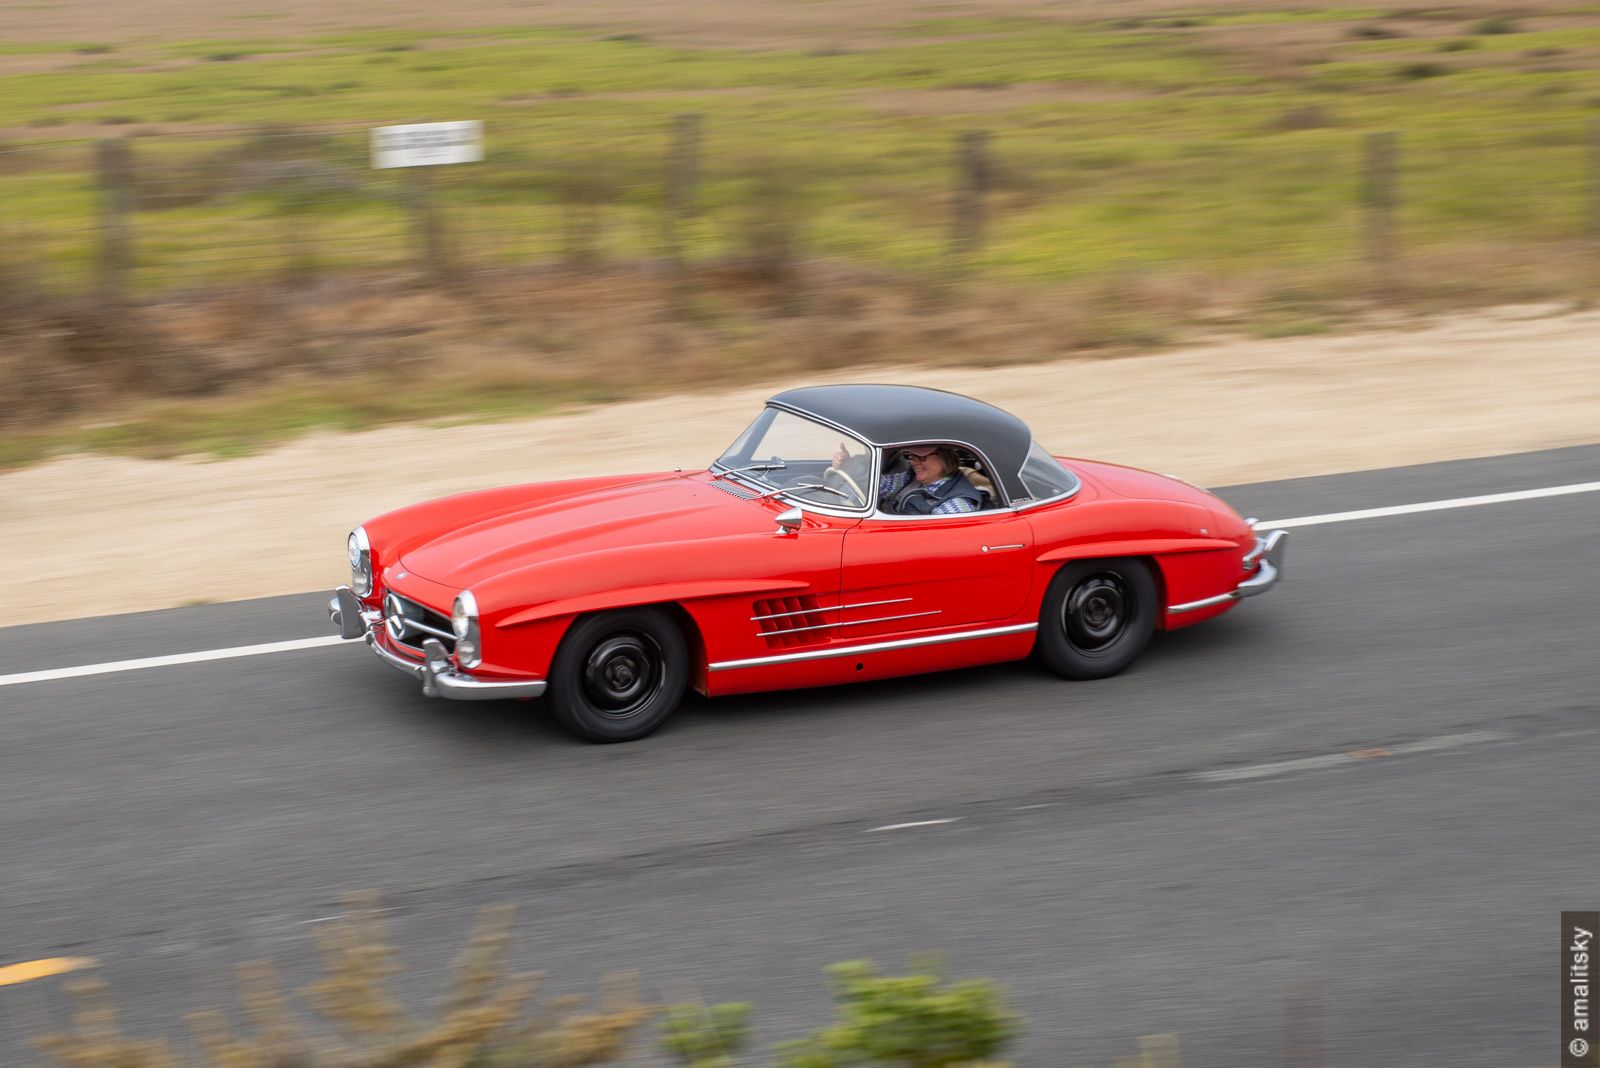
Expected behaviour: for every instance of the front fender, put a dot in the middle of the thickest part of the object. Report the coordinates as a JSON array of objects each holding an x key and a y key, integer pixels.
[{"x": 656, "y": 593}]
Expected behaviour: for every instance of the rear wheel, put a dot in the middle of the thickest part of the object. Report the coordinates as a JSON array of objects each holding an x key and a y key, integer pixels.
[
  {"x": 1098, "y": 616},
  {"x": 619, "y": 675}
]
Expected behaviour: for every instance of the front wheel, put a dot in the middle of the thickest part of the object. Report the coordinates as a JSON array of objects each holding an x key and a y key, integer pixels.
[
  {"x": 619, "y": 675},
  {"x": 1098, "y": 616}
]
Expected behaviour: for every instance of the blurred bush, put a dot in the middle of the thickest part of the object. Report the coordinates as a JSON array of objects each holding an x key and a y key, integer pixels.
[
  {"x": 913, "y": 1020},
  {"x": 489, "y": 1019}
]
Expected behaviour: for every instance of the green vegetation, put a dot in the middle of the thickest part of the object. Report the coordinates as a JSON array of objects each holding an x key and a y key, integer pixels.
[
  {"x": 1133, "y": 143},
  {"x": 1138, "y": 167},
  {"x": 912, "y": 1021}
]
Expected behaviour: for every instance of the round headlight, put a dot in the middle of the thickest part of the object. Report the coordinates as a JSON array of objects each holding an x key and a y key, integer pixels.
[
  {"x": 463, "y": 614},
  {"x": 360, "y": 552}
]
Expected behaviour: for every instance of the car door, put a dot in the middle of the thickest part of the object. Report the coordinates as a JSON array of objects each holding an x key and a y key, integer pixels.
[{"x": 903, "y": 574}]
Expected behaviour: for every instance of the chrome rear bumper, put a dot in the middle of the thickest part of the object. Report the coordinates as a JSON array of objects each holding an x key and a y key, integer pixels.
[
  {"x": 1268, "y": 560},
  {"x": 438, "y": 676}
]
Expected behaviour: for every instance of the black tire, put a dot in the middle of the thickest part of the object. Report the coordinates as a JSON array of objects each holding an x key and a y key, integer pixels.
[
  {"x": 1098, "y": 616},
  {"x": 618, "y": 675}
]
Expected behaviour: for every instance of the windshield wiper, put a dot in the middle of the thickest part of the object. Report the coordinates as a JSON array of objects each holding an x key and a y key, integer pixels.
[
  {"x": 774, "y": 464},
  {"x": 804, "y": 486}
]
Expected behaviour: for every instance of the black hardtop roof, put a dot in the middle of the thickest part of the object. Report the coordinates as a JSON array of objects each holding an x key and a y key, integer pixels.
[{"x": 903, "y": 415}]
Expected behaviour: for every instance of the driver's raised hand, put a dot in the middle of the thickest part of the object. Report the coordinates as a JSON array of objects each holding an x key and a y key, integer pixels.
[{"x": 842, "y": 455}]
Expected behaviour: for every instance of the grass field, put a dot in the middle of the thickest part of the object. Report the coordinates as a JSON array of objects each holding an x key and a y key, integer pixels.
[{"x": 1215, "y": 147}]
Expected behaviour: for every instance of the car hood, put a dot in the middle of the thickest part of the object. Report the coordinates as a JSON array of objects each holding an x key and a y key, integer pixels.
[{"x": 670, "y": 509}]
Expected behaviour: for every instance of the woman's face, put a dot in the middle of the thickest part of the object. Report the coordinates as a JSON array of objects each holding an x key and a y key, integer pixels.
[{"x": 926, "y": 464}]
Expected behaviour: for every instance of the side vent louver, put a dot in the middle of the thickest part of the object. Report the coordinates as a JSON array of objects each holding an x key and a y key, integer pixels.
[{"x": 786, "y": 622}]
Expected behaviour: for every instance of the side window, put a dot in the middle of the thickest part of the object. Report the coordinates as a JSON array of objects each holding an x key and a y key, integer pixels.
[
  {"x": 1044, "y": 477},
  {"x": 897, "y": 471}
]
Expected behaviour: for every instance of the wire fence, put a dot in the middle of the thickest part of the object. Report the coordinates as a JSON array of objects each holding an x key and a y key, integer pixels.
[{"x": 172, "y": 212}]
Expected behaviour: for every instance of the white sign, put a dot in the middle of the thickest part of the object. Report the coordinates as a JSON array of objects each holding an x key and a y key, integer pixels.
[{"x": 427, "y": 144}]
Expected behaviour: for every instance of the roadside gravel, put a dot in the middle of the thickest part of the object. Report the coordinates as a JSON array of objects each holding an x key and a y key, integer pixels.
[{"x": 91, "y": 535}]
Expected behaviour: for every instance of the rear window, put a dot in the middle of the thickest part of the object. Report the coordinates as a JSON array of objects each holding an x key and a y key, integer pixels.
[{"x": 1044, "y": 477}]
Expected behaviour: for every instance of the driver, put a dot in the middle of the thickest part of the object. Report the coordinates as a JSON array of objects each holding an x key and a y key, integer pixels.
[{"x": 923, "y": 480}]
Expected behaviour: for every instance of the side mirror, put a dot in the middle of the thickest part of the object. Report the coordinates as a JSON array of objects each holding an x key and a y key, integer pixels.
[{"x": 789, "y": 522}]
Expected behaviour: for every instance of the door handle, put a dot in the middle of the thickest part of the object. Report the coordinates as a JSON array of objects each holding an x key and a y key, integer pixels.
[{"x": 1002, "y": 548}]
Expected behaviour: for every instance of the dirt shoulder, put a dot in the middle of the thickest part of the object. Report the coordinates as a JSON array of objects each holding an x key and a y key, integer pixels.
[{"x": 93, "y": 535}]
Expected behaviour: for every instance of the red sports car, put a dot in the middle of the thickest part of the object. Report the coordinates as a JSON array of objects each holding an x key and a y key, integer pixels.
[{"x": 850, "y": 532}]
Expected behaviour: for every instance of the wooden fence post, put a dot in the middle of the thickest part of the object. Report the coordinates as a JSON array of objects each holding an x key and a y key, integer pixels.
[
  {"x": 114, "y": 164},
  {"x": 1594, "y": 181},
  {"x": 429, "y": 226},
  {"x": 683, "y": 184},
  {"x": 969, "y": 220},
  {"x": 1381, "y": 201}
]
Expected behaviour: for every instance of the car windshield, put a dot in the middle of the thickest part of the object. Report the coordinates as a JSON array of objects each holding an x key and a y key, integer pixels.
[{"x": 789, "y": 453}]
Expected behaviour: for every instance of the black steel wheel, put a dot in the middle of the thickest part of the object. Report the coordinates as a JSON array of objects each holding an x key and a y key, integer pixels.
[
  {"x": 618, "y": 675},
  {"x": 1098, "y": 616}
]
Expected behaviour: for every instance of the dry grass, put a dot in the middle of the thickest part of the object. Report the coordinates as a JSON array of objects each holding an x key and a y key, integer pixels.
[
  {"x": 275, "y": 362},
  {"x": 484, "y": 1022}
]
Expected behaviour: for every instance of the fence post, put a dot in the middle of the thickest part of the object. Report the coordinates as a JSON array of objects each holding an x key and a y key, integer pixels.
[
  {"x": 1594, "y": 181},
  {"x": 683, "y": 184},
  {"x": 114, "y": 164},
  {"x": 429, "y": 227},
  {"x": 1381, "y": 201},
  {"x": 973, "y": 177}
]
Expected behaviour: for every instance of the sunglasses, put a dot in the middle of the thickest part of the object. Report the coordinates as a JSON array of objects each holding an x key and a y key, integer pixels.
[{"x": 918, "y": 457}]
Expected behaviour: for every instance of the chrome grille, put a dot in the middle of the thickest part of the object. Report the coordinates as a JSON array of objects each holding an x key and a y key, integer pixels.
[
  {"x": 411, "y": 623},
  {"x": 789, "y": 621}
]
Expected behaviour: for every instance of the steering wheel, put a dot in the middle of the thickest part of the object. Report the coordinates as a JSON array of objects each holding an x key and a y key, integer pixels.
[
  {"x": 844, "y": 476},
  {"x": 803, "y": 481}
]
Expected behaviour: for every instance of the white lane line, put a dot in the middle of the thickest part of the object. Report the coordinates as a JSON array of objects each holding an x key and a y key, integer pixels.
[
  {"x": 918, "y": 823},
  {"x": 1331, "y": 760},
  {"x": 170, "y": 661},
  {"x": 1428, "y": 506},
  {"x": 346, "y": 915}
]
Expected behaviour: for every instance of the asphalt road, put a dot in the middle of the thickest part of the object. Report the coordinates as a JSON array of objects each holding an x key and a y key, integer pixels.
[{"x": 1115, "y": 860}]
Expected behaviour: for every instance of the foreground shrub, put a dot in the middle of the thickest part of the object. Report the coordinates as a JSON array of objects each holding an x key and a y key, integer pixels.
[
  {"x": 705, "y": 1036},
  {"x": 483, "y": 1023},
  {"x": 916, "y": 1021},
  {"x": 913, "y": 1020}
]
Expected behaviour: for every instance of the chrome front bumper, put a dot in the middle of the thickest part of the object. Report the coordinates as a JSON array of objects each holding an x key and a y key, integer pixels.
[
  {"x": 439, "y": 677},
  {"x": 1268, "y": 560}
]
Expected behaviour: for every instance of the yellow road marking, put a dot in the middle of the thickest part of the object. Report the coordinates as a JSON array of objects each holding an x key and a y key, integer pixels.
[{"x": 30, "y": 970}]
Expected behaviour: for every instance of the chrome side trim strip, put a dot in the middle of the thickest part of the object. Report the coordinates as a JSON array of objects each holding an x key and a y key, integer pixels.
[
  {"x": 1195, "y": 606},
  {"x": 875, "y": 647},
  {"x": 846, "y": 623},
  {"x": 830, "y": 608}
]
